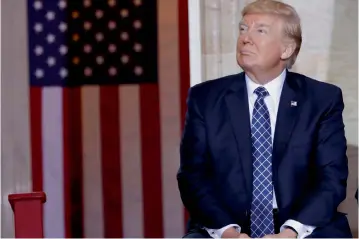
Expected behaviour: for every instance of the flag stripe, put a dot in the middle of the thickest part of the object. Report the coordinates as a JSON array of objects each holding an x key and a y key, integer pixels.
[
  {"x": 151, "y": 160},
  {"x": 53, "y": 168},
  {"x": 170, "y": 117},
  {"x": 111, "y": 168},
  {"x": 183, "y": 55},
  {"x": 92, "y": 166},
  {"x": 67, "y": 140},
  {"x": 132, "y": 204},
  {"x": 184, "y": 64},
  {"x": 36, "y": 137},
  {"x": 73, "y": 162}
]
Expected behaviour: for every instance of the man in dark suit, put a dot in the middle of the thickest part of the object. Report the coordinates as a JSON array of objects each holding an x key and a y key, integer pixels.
[{"x": 263, "y": 152}]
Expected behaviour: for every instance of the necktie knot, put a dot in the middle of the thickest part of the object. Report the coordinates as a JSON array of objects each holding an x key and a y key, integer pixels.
[{"x": 261, "y": 92}]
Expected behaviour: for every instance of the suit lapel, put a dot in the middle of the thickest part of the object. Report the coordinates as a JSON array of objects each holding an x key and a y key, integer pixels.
[
  {"x": 291, "y": 102},
  {"x": 237, "y": 103}
]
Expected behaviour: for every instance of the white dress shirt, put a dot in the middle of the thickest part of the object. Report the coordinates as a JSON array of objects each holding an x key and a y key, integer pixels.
[{"x": 274, "y": 89}]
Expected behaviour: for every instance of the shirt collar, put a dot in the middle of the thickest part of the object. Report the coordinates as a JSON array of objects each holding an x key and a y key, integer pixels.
[{"x": 274, "y": 87}]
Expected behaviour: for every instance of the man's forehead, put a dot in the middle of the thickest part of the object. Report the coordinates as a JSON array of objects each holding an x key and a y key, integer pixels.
[{"x": 259, "y": 19}]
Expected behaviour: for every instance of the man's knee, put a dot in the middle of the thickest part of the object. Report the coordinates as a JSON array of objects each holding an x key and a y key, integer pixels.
[{"x": 337, "y": 228}]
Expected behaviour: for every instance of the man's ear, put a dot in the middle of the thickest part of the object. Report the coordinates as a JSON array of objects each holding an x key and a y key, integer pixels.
[{"x": 288, "y": 51}]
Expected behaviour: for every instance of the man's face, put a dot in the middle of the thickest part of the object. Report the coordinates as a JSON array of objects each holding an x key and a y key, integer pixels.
[{"x": 260, "y": 42}]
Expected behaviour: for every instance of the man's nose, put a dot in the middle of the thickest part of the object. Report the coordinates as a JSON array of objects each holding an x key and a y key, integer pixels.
[{"x": 247, "y": 38}]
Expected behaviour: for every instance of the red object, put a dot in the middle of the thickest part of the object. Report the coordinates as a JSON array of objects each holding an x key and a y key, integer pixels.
[
  {"x": 28, "y": 217},
  {"x": 184, "y": 67}
]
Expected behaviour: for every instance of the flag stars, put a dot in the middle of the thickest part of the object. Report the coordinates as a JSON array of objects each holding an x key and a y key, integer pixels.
[
  {"x": 38, "y": 5},
  {"x": 99, "y": 36},
  {"x": 50, "y": 16},
  {"x": 88, "y": 71},
  {"x": 112, "y": 71},
  {"x": 87, "y": 48},
  {"x": 138, "y": 70},
  {"x": 124, "y": 13},
  {"x": 112, "y": 25},
  {"x": 137, "y": 24},
  {"x": 112, "y": 48},
  {"x": 99, "y": 60},
  {"x": 125, "y": 59},
  {"x": 124, "y": 36},
  {"x": 99, "y": 14},
  {"x": 75, "y": 37},
  {"x": 111, "y": 3},
  {"x": 87, "y": 3},
  {"x": 75, "y": 14},
  {"x": 63, "y": 72},
  {"x": 87, "y": 25},
  {"x": 62, "y": 27},
  {"x": 38, "y": 27},
  {"x": 76, "y": 60},
  {"x": 137, "y": 2},
  {"x": 39, "y": 73},
  {"x": 63, "y": 49},
  {"x": 51, "y": 61},
  {"x": 62, "y": 4},
  {"x": 50, "y": 38},
  {"x": 38, "y": 50},
  {"x": 137, "y": 47}
]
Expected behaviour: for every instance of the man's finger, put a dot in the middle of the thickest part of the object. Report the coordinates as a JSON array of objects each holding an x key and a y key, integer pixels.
[
  {"x": 269, "y": 236},
  {"x": 243, "y": 235}
]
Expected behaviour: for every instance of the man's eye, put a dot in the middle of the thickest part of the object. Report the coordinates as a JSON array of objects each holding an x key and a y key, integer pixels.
[{"x": 261, "y": 31}]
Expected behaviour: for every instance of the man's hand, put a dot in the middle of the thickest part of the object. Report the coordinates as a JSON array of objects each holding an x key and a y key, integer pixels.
[
  {"x": 286, "y": 233},
  {"x": 243, "y": 235},
  {"x": 233, "y": 233},
  {"x": 230, "y": 232}
]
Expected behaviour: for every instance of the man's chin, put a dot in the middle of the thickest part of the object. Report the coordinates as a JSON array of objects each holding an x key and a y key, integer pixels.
[{"x": 246, "y": 66}]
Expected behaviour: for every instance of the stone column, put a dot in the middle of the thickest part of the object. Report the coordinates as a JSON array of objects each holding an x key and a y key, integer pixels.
[{"x": 15, "y": 144}]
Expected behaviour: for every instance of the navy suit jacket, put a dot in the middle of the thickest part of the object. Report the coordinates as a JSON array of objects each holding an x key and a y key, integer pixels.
[{"x": 310, "y": 167}]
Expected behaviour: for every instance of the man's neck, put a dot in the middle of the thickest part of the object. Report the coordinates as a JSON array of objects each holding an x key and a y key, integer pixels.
[{"x": 263, "y": 77}]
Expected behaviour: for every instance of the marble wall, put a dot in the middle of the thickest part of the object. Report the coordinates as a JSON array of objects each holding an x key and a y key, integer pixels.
[
  {"x": 15, "y": 129},
  {"x": 329, "y": 53}
]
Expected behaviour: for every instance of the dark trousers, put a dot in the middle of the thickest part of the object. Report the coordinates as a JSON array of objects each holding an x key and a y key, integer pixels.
[{"x": 201, "y": 233}]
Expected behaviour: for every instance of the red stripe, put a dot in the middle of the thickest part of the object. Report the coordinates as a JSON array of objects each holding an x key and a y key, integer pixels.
[
  {"x": 151, "y": 160},
  {"x": 184, "y": 63},
  {"x": 72, "y": 130},
  {"x": 183, "y": 54},
  {"x": 111, "y": 168},
  {"x": 36, "y": 137}
]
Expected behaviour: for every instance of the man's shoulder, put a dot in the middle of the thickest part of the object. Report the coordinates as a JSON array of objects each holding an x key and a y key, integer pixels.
[{"x": 316, "y": 86}]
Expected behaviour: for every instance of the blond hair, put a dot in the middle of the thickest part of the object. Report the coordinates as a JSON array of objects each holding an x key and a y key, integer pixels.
[{"x": 291, "y": 19}]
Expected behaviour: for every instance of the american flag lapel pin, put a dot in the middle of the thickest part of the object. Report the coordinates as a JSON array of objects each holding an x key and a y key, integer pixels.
[{"x": 293, "y": 103}]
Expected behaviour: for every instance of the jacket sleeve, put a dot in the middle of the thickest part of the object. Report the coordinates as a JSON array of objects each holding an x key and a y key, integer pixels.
[
  {"x": 193, "y": 179},
  {"x": 331, "y": 163}
]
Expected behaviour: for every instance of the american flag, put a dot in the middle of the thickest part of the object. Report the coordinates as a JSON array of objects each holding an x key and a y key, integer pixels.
[{"x": 107, "y": 102}]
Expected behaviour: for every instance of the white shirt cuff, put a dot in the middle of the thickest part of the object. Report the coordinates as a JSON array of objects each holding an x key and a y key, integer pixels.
[
  {"x": 302, "y": 230},
  {"x": 217, "y": 233}
]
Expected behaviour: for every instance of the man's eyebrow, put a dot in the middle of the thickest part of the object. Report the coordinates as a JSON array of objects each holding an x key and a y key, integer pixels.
[
  {"x": 257, "y": 25},
  {"x": 263, "y": 25}
]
